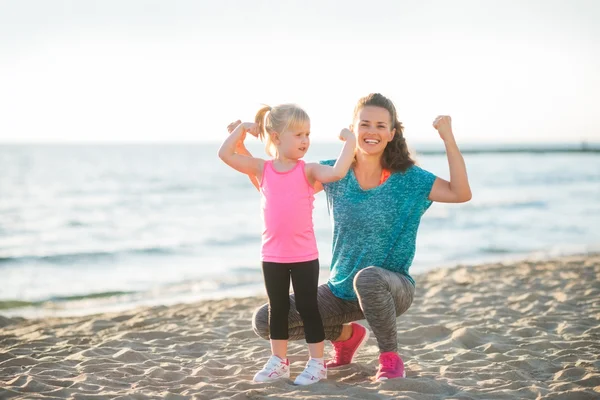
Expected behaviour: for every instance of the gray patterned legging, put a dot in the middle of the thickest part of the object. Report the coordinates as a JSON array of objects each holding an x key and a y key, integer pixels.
[{"x": 382, "y": 297}]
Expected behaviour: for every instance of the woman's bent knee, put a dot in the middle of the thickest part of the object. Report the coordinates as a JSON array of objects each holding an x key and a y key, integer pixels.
[
  {"x": 368, "y": 277},
  {"x": 260, "y": 321}
]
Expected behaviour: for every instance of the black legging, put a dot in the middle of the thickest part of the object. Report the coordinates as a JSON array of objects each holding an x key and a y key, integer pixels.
[
  {"x": 305, "y": 280},
  {"x": 382, "y": 297}
]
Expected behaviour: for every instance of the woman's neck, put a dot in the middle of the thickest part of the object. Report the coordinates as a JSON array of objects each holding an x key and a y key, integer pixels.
[
  {"x": 368, "y": 162},
  {"x": 367, "y": 170}
]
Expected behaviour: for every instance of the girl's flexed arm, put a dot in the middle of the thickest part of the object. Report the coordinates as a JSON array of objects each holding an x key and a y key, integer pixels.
[
  {"x": 326, "y": 173},
  {"x": 241, "y": 149},
  {"x": 458, "y": 189},
  {"x": 243, "y": 163}
]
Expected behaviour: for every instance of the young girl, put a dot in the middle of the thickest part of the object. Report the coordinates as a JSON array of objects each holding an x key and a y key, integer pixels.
[{"x": 289, "y": 248}]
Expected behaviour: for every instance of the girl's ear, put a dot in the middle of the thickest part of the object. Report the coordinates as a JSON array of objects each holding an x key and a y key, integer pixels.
[
  {"x": 392, "y": 133},
  {"x": 274, "y": 137}
]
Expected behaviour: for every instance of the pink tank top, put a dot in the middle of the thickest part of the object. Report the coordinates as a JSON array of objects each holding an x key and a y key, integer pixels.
[{"x": 287, "y": 205}]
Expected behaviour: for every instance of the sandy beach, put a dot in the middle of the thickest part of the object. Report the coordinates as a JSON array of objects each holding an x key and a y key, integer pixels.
[{"x": 525, "y": 330}]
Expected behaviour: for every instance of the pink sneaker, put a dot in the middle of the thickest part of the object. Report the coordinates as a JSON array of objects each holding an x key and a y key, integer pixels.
[
  {"x": 344, "y": 351},
  {"x": 390, "y": 366}
]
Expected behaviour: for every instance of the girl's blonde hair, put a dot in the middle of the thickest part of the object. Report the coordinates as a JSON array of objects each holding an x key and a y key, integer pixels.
[{"x": 278, "y": 119}]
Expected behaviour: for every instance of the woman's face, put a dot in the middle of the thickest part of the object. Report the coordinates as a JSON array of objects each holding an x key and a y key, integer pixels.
[{"x": 373, "y": 129}]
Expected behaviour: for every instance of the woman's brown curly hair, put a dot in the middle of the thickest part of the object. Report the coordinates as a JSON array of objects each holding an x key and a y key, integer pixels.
[{"x": 396, "y": 156}]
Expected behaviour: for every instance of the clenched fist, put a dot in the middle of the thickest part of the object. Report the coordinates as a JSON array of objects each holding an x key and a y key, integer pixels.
[{"x": 443, "y": 124}]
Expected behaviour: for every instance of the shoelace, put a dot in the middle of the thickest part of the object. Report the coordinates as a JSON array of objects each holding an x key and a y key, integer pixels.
[
  {"x": 340, "y": 352},
  {"x": 389, "y": 363}
]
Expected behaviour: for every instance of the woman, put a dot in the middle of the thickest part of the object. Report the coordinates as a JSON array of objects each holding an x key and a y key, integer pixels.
[{"x": 375, "y": 210}]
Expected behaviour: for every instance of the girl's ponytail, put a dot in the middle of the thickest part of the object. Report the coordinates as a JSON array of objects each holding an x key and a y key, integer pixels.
[
  {"x": 263, "y": 133},
  {"x": 260, "y": 121}
]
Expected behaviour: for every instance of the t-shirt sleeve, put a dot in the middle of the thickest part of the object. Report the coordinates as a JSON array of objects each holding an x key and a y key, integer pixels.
[
  {"x": 331, "y": 163},
  {"x": 423, "y": 183}
]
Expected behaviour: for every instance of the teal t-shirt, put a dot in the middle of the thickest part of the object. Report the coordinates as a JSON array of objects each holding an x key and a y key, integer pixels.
[{"x": 375, "y": 227}]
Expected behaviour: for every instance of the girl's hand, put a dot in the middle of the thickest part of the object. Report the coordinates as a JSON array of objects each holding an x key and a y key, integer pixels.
[
  {"x": 247, "y": 127},
  {"x": 240, "y": 143},
  {"x": 443, "y": 124},
  {"x": 346, "y": 135},
  {"x": 252, "y": 128},
  {"x": 241, "y": 149}
]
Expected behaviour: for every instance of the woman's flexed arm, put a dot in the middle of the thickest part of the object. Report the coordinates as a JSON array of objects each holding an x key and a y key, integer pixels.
[{"x": 458, "y": 189}]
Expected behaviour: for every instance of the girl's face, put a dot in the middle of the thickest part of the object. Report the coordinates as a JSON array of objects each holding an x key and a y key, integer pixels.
[
  {"x": 373, "y": 130},
  {"x": 294, "y": 143}
]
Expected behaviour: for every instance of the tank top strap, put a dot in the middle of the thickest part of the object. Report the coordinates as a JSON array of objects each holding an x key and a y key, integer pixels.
[
  {"x": 267, "y": 169},
  {"x": 301, "y": 171}
]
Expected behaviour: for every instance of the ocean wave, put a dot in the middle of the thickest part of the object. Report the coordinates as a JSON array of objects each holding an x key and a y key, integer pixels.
[
  {"x": 233, "y": 241},
  {"x": 131, "y": 193},
  {"x": 91, "y": 256},
  {"x": 10, "y": 304},
  {"x": 249, "y": 284},
  {"x": 497, "y": 250},
  {"x": 556, "y": 180},
  {"x": 508, "y": 204}
]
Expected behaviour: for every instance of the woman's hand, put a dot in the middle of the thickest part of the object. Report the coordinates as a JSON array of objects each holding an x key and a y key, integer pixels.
[
  {"x": 443, "y": 124},
  {"x": 231, "y": 127}
]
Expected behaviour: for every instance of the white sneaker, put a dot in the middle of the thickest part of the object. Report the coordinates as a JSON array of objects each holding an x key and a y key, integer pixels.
[
  {"x": 313, "y": 373},
  {"x": 274, "y": 369}
]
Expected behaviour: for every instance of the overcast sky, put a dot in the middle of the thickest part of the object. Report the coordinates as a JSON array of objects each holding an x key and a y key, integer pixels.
[{"x": 133, "y": 70}]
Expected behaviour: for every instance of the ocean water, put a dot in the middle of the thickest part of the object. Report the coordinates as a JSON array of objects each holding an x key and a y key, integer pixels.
[{"x": 90, "y": 228}]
